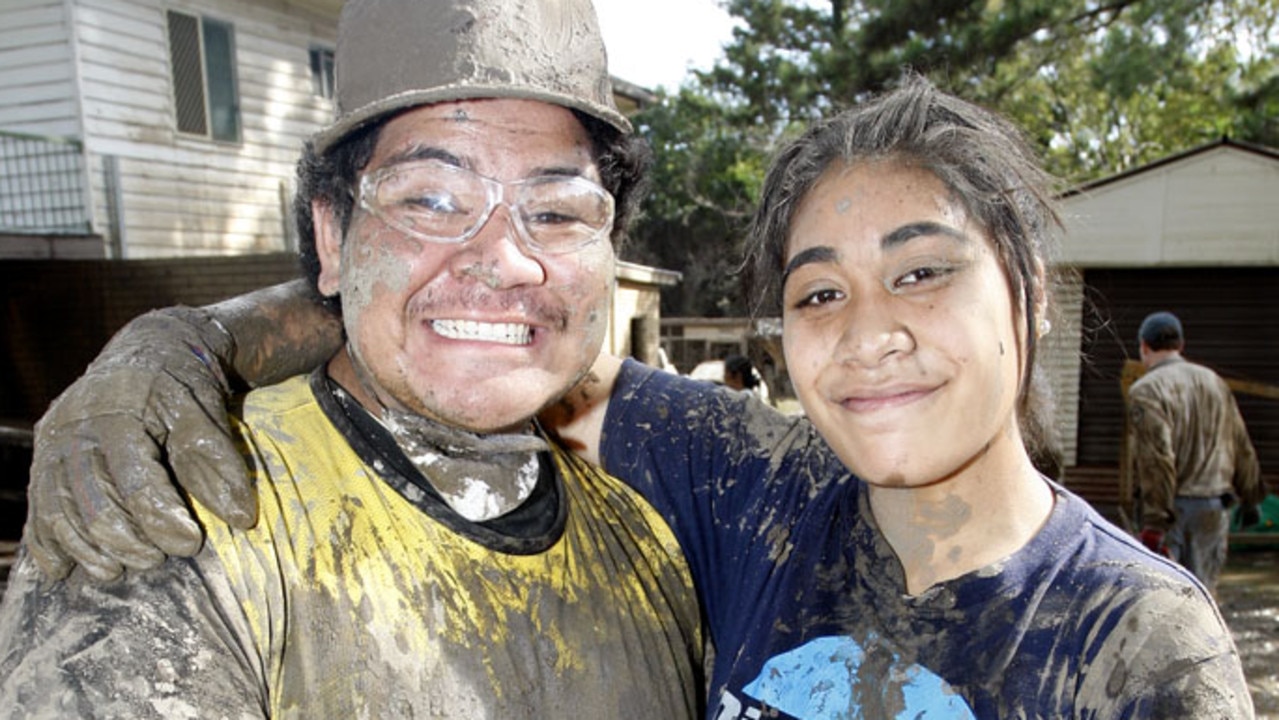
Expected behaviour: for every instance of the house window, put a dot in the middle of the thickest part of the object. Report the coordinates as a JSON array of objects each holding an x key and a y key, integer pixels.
[
  {"x": 322, "y": 72},
  {"x": 202, "y": 57}
]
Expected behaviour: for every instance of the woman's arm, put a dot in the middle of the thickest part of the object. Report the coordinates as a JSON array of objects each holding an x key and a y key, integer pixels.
[
  {"x": 578, "y": 418},
  {"x": 150, "y": 411}
]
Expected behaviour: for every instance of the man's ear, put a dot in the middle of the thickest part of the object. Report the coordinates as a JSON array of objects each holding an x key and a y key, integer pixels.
[{"x": 328, "y": 247}]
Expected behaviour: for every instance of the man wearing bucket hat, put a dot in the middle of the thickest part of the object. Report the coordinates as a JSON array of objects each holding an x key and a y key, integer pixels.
[
  {"x": 421, "y": 548},
  {"x": 1190, "y": 453}
]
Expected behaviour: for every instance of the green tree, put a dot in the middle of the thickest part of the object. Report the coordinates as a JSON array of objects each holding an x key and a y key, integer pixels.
[
  {"x": 1101, "y": 86},
  {"x": 706, "y": 176}
]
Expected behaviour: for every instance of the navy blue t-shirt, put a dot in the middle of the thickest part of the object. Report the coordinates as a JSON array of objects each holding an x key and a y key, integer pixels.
[{"x": 807, "y": 607}]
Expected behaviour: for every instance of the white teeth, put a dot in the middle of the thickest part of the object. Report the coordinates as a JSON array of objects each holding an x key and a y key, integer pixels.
[{"x": 504, "y": 333}]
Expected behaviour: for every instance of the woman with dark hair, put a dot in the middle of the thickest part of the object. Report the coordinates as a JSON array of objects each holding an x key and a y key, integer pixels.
[
  {"x": 896, "y": 553},
  {"x": 739, "y": 374}
]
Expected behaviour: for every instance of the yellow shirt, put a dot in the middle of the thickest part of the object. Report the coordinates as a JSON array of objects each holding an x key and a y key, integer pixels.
[{"x": 356, "y": 603}]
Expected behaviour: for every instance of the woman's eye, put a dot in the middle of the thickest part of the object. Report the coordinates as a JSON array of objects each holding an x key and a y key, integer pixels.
[
  {"x": 821, "y": 297},
  {"x": 921, "y": 275}
]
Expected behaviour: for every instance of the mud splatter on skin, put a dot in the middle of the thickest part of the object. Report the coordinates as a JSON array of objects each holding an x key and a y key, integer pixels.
[
  {"x": 480, "y": 476},
  {"x": 488, "y": 274},
  {"x": 280, "y": 332},
  {"x": 894, "y": 298},
  {"x": 491, "y": 278}
]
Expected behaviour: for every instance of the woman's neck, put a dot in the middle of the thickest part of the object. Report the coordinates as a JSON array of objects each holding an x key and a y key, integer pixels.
[{"x": 983, "y": 513}]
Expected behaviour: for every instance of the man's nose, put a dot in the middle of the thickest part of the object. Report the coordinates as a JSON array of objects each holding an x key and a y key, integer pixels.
[{"x": 497, "y": 255}]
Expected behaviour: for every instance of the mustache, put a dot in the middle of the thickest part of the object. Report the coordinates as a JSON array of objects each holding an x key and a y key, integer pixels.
[{"x": 526, "y": 303}]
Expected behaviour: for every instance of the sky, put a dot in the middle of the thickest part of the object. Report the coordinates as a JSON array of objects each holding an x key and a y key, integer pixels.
[{"x": 654, "y": 42}]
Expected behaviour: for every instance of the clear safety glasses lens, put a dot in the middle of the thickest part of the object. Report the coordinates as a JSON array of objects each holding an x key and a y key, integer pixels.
[{"x": 441, "y": 203}]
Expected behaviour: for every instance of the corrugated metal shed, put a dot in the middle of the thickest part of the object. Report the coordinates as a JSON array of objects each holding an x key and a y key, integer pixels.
[{"x": 1197, "y": 234}]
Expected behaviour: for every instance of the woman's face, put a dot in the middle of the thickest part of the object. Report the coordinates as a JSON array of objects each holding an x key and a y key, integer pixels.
[{"x": 899, "y": 330}]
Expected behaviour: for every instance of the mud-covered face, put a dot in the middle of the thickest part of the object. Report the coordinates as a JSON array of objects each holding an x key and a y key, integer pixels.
[
  {"x": 485, "y": 333},
  {"x": 899, "y": 331}
]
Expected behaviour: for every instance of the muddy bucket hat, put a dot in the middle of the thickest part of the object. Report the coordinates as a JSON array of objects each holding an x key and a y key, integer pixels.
[{"x": 396, "y": 54}]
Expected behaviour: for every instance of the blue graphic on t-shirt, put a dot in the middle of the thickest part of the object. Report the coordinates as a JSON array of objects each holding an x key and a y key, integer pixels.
[{"x": 816, "y": 682}]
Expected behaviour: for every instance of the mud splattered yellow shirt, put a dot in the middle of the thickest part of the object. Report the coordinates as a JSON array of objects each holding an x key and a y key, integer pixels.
[{"x": 359, "y": 595}]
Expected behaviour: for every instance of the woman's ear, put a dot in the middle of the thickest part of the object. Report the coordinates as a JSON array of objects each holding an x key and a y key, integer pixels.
[
  {"x": 1041, "y": 296},
  {"x": 328, "y": 248}
]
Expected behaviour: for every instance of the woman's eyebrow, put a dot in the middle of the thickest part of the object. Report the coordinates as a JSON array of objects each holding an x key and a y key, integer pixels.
[
  {"x": 809, "y": 256},
  {"x": 896, "y": 238},
  {"x": 910, "y": 231}
]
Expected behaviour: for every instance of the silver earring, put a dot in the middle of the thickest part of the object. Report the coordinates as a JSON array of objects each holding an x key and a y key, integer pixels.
[{"x": 1045, "y": 325}]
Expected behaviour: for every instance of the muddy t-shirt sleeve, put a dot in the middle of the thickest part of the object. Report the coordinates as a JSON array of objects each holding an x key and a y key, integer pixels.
[
  {"x": 730, "y": 474},
  {"x": 1169, "y": 655},
  {"x": 163, "y": 643}
]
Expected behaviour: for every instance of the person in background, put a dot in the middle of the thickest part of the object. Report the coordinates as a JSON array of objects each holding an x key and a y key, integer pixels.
[
  {"x": 739, "y": 374},
  {"x": 1190, "y": 454},
  {"x": 420, "y": 547},
  {"x": 898, "y": 555}
]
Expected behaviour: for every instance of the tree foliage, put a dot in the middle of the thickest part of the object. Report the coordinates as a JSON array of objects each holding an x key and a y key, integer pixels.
[{"x": 1100, "y": 86}]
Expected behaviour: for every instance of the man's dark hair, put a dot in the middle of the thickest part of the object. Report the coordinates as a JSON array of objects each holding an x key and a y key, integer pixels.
[{"x": 333, "y": 178}]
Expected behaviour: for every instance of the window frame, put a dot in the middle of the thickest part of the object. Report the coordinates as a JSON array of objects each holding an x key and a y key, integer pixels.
[
  {"x": 323, "y": 74},
  {"x": 210, "y": 89}
]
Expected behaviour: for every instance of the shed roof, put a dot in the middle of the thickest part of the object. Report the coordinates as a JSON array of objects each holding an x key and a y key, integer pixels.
[{"x": 1212, "y": 205}]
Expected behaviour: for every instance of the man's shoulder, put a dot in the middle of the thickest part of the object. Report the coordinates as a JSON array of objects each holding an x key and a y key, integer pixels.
[
  {"x": 289, "y": 413},
  {"x": 1170, "y": 373},
  {"x": 280, "y": 397},
  {"x": 1187, "y": 379},
  {"x": 1148, "y": 387},
  {"x": 1190, "y": 367}
]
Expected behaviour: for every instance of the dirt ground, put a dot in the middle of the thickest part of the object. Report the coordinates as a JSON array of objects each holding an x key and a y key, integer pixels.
[{"x": 1248, "y": 595}]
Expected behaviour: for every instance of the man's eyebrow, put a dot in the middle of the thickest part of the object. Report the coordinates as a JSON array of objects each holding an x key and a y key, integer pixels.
[
  {"x": 809, "y": 256},
  {"x": 416, "y": 153},
  {"x": 558, "y": 171},
  {"x": 419, "y": 153},
  {"x": 910, "y": 231}
]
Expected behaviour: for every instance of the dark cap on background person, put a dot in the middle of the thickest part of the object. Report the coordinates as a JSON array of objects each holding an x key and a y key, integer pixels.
[{"x": 1161, "y": 331}]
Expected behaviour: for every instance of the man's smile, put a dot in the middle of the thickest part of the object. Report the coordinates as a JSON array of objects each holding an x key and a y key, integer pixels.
[{"x": 502, "y": 333}]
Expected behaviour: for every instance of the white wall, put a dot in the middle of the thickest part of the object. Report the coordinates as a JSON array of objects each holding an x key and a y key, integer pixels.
[
  {"x": 37, "y": 69},
  {"x": 1061, "y": 360},
  {"x": 187, "y": 195},
  {"x": 1217, "y": 207}
]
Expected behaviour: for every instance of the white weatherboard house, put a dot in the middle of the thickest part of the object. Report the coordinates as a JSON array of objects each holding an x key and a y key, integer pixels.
[
  {"x": 145, "y": 129},
  {"x": 1196, "y": 233},
  {"x": 187, "y": 118},
  {"x": 161, "y": 128}
]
